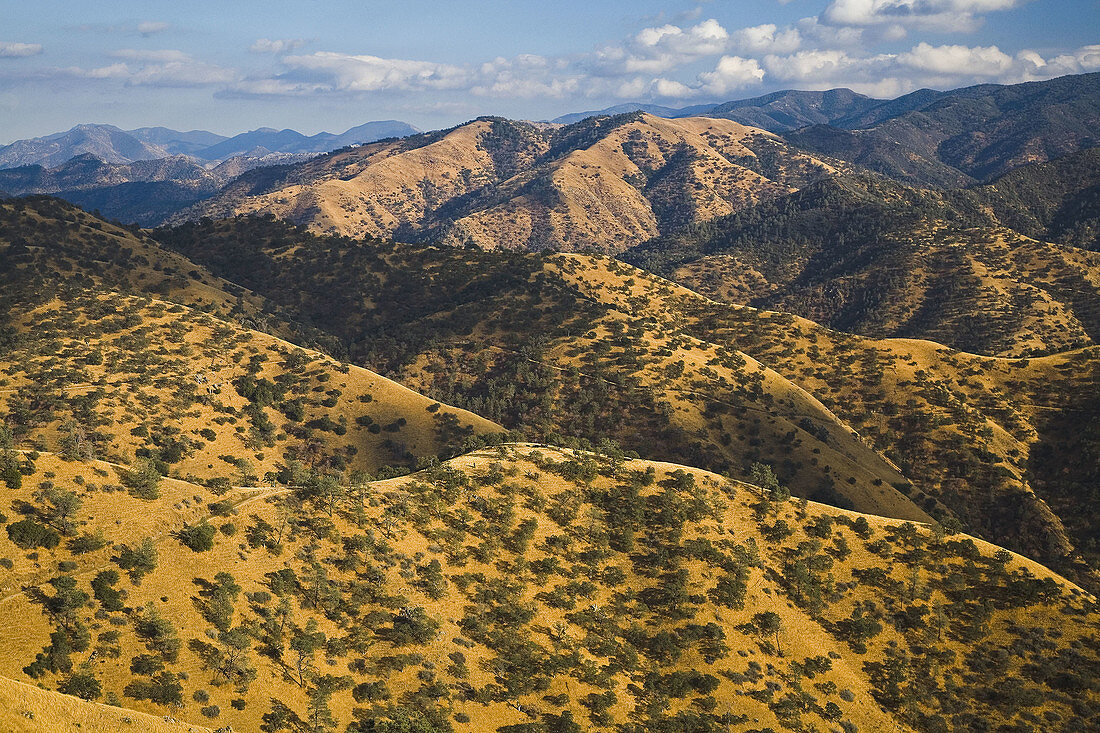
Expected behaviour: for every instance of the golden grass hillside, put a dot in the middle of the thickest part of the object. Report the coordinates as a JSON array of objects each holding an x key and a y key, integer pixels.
[
  {"x": 151, "y": 383},
  {"x": 880, "y": 259},
  {"x": 527, "y": 588},
  {"x": 575, "y": 346},
  {"x": 50, "y": 244},
  {"x": 28, "y": 709},
  {"x": 603, "y": 183}
]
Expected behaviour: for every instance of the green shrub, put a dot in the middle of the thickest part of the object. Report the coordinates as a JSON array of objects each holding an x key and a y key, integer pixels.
[
  {"x": 29, "y": 534},
  {"x": 199, "y": 537}
]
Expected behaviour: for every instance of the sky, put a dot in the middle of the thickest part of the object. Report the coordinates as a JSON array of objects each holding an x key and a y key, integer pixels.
[{"x": 235, "y": 65}]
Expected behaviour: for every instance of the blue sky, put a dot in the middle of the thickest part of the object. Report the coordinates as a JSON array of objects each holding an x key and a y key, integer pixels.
[{"x": 236, "y": 64}]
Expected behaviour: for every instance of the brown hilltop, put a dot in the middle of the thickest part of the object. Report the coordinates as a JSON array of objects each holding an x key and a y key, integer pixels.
[{"x": 604, "y": 183}]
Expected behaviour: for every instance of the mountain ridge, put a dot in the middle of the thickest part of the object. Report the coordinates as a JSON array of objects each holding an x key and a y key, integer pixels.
[{"x": 114, "y": 145}]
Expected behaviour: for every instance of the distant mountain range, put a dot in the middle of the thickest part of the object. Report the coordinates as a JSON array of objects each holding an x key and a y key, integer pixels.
[
  {"x": 142, "y": 192},
  {"x": 952, "y": 138},
  {"x": 113, "y": 145},
  {"x": 610, "y": 181},
  {"x": 776, "y": 112},
  {"x": 607, "y": 183}
]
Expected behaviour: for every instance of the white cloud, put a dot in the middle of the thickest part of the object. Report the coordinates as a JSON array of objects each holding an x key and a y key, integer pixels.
[
  {"x": 672, "y": 89},
  {"x": 1081, "y": 61},
  {"x": 705, "y": 39},
  {"x": 731, "y": 73},
  {"x": 813, "y": 65},
  {"x": 823, "y": 34},
  {"x": 947, "y": 15},
  {"x": 11, "y": 50},
  {"x": 526, "y": 76},
  {"x": 328, "y": 71},
  {"x": 276, "y": 45},
  {"x": 660, "y": 49},
  {"x": 151, "y": 27},
  {"x": 952, "y": 60},
  {"x": 156, "y": 68},
  {"x": 766, "y": 39}
]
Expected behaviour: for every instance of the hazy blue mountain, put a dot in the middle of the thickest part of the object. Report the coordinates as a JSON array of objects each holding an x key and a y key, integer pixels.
[
  {"x": 105, "y": 142},
  {"x": 654, "y": 109},
  {"x": 144, "y": 192},
  {"x": 176, "y": 142},
  {"x": 87, "y": 171},
  {"x": 269, "y": 140},
  {"x": 113, "y": 145},
  {"x": 776, "y": 112}
]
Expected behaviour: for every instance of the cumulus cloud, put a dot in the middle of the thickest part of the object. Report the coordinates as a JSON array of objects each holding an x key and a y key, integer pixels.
[
  {"x": 766, "y": 38},
  {"x": 731, "y": 73},
  {"x": 672, "y": 89},
  {"x": 662, "y": 48},
  {"x": 948, "y": 15},
  {"x": 11, "y": 50},
  {"x": 526, "y": 76},
  {"x": 978, "y": 61},
  {"x": 276, "y": 45}
]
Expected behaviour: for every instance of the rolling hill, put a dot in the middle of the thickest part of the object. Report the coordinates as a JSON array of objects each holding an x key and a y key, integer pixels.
[
  {"x": 870, "y": 256},
  {"x": 604, "y": 183},
  {"x": 965, "y": 135},
  {"x": 582, "y": 346},
  {"x": 110, "y": 369},
  {"x": 210, "y": 524},
  {"x": 1058, "y": 201},
  {"x": 531, "y": 586}
]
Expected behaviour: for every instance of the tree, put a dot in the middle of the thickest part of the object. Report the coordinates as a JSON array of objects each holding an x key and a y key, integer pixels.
[
  {"x": 29, "y": 534},
  {"x": 164, "y": 689},
  {"x": 9, "y": 460},
  {"x": 158, "y": 633},
  {"x": 144, "y": 481},
  {"x": 81, "y": 684},
  {"x": 71, "y": 635},
  {"x": 74, "y": 443},
  {"x": 109, "y": 597},
  {"x": 305, "y": 643},
  {"x": 137, "y": 561},
  {"x": 762, "y": 475},
  {"x": 769, "y": 622},
  {"x": 57, "y": 508},
  {"x": 318, "y": 714},
  {"x": 229, "y": 659},
  {"x": 199, "y": 537}
]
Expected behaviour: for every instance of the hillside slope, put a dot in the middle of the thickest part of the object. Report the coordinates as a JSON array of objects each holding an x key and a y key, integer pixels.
[
  {"x": 581, "y": 346},
  {"x": 1057, "y": 201},
  {"x": 98, "y": 368},
  {"x": 965, "y": 135},
  {"x": 602, "y": 183},
  {"x": 530, "y": 586},
  {"x": 28, "y": 709},
  {"x": 874, "y": 257}
]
